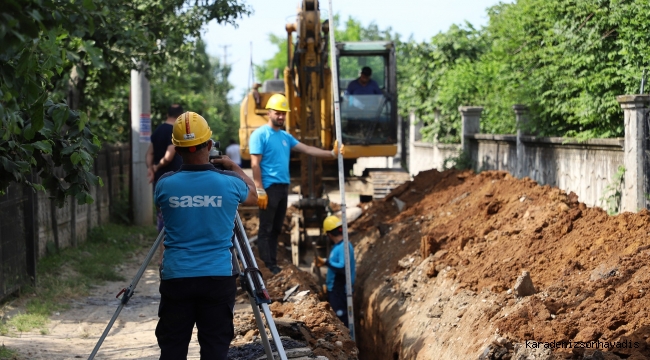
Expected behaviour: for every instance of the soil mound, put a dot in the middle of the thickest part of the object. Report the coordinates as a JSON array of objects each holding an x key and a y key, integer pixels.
[
  {"x": 437, "y": 280},
  {"x": 301, "y": 315}
]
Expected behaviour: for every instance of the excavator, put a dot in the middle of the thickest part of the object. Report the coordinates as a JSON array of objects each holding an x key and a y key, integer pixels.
[{"x": 368, "y": 122}]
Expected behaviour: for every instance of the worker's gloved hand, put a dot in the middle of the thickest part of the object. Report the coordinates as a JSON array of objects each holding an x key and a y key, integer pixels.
[
  {"x": 319, "y": 261},
  {"x": 262, "y": 199},
  {"x": 336, "y": 150}
]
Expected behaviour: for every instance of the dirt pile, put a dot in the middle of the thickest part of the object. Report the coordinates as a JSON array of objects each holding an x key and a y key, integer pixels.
[
  {"x": 437, "y": 280},
  {"x": 302, "y": 315}
]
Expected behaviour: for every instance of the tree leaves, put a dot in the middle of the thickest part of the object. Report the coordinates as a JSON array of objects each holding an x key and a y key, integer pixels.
[
  {"x": 566, "y": 59},
  {"x": 82, "y": 51}
]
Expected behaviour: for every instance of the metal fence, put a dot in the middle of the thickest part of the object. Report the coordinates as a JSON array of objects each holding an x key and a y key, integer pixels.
[{"x": 31, "y": 225}]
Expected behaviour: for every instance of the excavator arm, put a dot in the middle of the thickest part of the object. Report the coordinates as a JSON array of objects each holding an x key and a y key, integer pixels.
[{"x": 308, "y": 89}]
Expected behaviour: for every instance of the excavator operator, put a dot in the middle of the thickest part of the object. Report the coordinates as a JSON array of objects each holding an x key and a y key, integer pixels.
[{"x": 364, "y": 85}]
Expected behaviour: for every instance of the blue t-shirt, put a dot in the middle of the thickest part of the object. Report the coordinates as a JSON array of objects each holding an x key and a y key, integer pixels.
[
  {"x": 336, "y": 268},
  {"x": 199, "y": 204},
  {"x": 371, "y": 88},
  {"x": 275, "y": 147}
]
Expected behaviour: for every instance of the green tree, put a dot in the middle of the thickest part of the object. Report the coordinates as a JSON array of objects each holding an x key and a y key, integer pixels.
[
  {"x": 65, "y": 67},
  {"x": 567, "y": 60},
  {"x": 266, "y": 70},
  {"x": 350, "y": 30},
  {"x": 427, "y": 85}
]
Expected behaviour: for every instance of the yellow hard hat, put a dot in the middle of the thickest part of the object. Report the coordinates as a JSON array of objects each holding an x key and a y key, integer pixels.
[
  {"x": 278, "y": 102},
  {"x": 190, "y": 129},
  {"x": 331, "y": 222}
]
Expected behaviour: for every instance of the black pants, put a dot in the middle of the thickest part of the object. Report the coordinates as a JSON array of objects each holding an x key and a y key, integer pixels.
[
  {"x": 207, "y": 301},
  {"x": 339, "y": 303},
  {"x": 271, "y": 220}
]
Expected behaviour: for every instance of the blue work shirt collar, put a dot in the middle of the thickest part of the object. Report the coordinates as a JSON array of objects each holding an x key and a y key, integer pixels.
[{"x": 192, "y": 167}]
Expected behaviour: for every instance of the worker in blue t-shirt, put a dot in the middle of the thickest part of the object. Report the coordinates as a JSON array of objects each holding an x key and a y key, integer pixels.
[
  {"x": 335, "y": 281},
  {"x": 199, "y": 204},
  {"x": 161, "y": 155},
  {"x": 364, "y": 85},
  {"x": 270, "y": 147}
]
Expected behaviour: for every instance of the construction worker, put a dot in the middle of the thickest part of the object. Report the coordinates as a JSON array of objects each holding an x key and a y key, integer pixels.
[
  {"x": 335, "y": 281},
  {"x": 199, "y": 204},
  {"x": 364, "y": 85},
  {"x": 270, "y": 146},
  {"x": 161, "y": 156}
]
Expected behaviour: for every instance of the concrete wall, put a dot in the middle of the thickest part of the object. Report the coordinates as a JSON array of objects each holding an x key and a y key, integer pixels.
[
  {"x": 425, "y": 155},
  {"x": 585, "y": 168},
  {"x": 69, "y": 225},
  {"x": 31, "y": 223}
]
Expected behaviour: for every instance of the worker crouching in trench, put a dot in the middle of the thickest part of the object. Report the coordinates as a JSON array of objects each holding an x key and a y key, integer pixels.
[{"x": 335, "y": 263}]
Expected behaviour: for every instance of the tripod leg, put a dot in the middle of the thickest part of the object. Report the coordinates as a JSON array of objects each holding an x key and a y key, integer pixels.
[
  {"x": 105, "y": 333},
  {"x": 274, "y": 331},
  {"x": 260, "y": 326},
  {"x": 256, "y": 311},
  {"x": 243, "y": 249},
  {"x": 128, "y": 292}
]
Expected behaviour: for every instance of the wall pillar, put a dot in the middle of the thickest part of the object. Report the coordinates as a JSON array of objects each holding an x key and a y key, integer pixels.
[
  {"x": 521, "y": 113},
  {"x": 471, "y": 124},
  {"x": 636, "y": 187},
  {"x": 412, "y": 133}
]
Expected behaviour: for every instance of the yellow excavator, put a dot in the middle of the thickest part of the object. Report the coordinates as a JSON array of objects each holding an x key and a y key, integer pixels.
[{"x": 368, "y": 120}]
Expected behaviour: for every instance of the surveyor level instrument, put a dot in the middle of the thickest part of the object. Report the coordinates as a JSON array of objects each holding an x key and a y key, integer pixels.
[{"x": 250, "y": 279}]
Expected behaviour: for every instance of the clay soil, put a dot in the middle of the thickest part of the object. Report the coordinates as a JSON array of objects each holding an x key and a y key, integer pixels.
[{"x": 435, "y": 281}]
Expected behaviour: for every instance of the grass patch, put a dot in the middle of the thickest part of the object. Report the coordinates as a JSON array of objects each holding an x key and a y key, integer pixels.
[
  {"x": 6, "y": 353},
  {"x": 72, "y": 272}
]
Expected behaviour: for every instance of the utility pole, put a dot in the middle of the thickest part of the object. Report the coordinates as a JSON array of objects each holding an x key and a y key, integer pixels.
[
  {"x": 225, "y": 54},
  {"x": 141, "y": 191}
]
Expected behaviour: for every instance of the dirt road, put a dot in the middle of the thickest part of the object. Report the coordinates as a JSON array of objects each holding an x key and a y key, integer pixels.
[{"x": 74, "y": 333}]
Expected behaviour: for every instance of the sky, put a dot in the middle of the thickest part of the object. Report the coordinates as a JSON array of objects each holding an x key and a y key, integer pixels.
[{"x": 420, "y": 18}]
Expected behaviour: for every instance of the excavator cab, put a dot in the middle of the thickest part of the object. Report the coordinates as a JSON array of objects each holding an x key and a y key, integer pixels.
[{"x": 368, "y": 102}]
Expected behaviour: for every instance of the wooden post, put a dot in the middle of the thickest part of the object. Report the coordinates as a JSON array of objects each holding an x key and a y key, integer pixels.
[
  {"x": 30, "y": 213},
  {"x": 55, "y": 224},
  {"x": 73, "y": 221}
]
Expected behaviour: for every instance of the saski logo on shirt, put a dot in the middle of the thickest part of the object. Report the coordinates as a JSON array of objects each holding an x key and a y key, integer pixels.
[{"x": 195, "y": 201}]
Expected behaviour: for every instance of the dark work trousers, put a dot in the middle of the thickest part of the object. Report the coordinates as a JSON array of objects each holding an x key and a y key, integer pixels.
[
  {"x": 271, "y": 220},
  {"x": 339, "y": 303},
  {"x": 207, "y": 301}
]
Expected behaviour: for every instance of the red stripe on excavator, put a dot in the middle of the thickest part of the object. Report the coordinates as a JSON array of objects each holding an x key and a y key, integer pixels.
[{"x": 187, "y": 122}]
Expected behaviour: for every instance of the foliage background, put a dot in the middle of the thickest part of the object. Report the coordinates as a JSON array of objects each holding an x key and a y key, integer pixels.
[
  {"x": 65, "y": 72},
  {"x": 567, "y": 60}
]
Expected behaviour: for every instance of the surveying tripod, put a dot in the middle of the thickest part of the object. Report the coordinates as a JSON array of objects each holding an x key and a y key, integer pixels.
[{"x": 250, "y": 279}]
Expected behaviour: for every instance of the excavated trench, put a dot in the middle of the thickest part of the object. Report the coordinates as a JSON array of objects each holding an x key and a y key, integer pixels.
[
  {"x": 485, "y": 266},
  {"x": 491, "y": 267}
]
